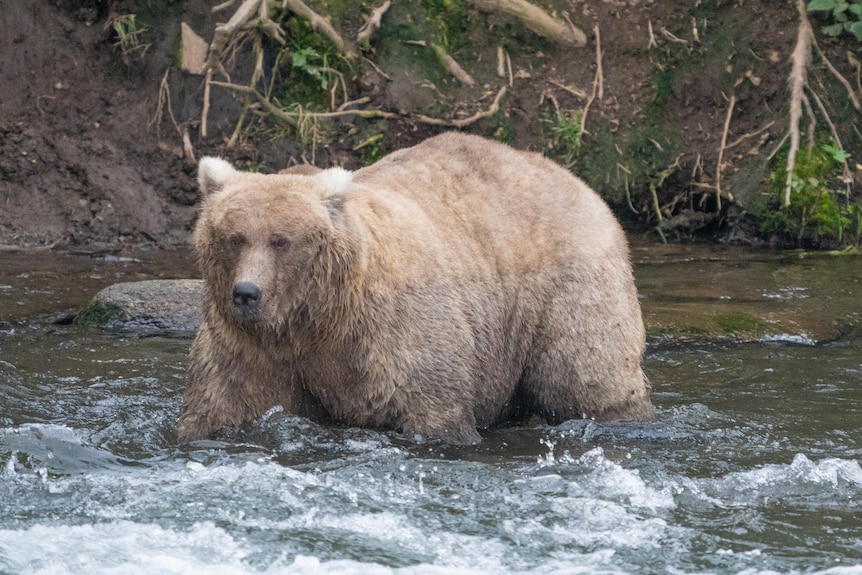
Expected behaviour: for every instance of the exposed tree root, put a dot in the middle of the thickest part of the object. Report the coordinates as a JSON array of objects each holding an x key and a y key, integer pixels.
[
  {"x": 721, "y": 153},
  {"x": 495, "y": 107},
  {"x": 293, "y": 118},
  {"x": 320, "y": 24},
  {"x": 800, "y": 58},
  {"x": 375, "y": 20}
]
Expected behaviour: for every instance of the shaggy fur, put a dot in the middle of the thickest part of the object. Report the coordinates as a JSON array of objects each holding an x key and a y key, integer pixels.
[{"x": 454, "y": 286}]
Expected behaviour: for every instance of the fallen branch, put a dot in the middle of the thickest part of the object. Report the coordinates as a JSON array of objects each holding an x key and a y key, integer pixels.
[
  {"x": 495, "y": 107},
  {"x": 453, "y": 67},
  {"x": 448, "y": 62},
  {"x": 672, "y": 38},
  {"x": 573, "y": 91},
  {"x": 375, "y": 20},
  {"x": 537, "y": 20}
]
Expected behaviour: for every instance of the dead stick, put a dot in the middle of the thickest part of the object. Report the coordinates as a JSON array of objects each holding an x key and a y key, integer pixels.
[
  {"x": 206, "y": 108},
  {"x": 838, "y": 75},
  {"x": 721, "y": 152},
  {"x": 569, "y": 89},
  {"x": 744, "y": 137},
  {"x": 495, "y": 107},
  {"x": 655, "y": 202},
  {"x": 453, "y": 67},
  {"x": 600, "y": 77},
  {"x": 652, "y": 43}
]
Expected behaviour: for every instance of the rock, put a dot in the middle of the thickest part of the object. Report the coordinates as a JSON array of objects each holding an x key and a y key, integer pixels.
[
  {"x": 194, "y": 50},
  {"x": 154, "y": 306}
]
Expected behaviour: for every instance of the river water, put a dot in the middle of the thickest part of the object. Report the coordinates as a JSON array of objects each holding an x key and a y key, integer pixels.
[{"x": 753, "y": 468}]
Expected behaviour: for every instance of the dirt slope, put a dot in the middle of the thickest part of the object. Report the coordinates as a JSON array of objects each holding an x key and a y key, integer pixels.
[{"x": 82, "y": 163}]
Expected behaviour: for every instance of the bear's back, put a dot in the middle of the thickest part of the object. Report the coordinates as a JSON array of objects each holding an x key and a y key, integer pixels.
[{"x": 481, "y": 201}]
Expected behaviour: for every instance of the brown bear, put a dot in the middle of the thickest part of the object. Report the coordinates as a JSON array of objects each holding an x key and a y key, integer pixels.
[{"x": 451, "y": 287}]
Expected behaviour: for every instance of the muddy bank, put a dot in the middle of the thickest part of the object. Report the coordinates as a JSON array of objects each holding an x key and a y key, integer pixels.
[{"x": 91, "y": 130}]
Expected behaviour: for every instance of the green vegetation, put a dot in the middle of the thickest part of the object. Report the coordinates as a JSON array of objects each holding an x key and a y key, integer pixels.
[
  {"x": 449, "y": 21},
  {"x": 820, "y": 214},
  {"x": 310, "y": 70},
  {"x": 564, "y": 131},
  {"x": 370, "y": 146},
  {"x": 738, "y": 322},
  {"x": 129, "y": 35},
  {"x": 846, "y": 16}
]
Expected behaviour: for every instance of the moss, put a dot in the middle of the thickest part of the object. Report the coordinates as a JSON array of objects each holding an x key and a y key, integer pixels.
[
  {"x": 100, "y": 313},
  {"x": 819, "y": 214},
  {"x": 738, "y": 322},
  {"x": 675, "y": 330}
]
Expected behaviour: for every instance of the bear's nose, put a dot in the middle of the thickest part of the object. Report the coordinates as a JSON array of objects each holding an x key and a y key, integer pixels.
[{"x": 246, "y": 295}]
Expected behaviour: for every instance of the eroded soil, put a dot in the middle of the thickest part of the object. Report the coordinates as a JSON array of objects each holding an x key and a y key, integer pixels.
[{"x": 88, "y": 163}]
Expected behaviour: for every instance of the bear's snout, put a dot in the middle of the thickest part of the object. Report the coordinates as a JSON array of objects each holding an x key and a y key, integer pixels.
[{"x": 246, "y": 297}]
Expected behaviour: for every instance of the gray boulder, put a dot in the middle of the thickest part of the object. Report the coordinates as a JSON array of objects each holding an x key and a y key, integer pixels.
[{"x": 149, "y": 307}]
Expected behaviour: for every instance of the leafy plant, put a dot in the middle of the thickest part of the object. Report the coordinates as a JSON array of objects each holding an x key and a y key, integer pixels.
[
  {"x": 818, "y": 214},
  {"x": 306, "y": 60},
  {"x": 129, "y": 33},
  {"x": 565, "y": 135},
  {"x": 846, "y": 16}
]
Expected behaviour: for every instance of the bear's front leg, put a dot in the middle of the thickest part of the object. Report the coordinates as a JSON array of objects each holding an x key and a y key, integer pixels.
[{"x": 225, "y": 388}]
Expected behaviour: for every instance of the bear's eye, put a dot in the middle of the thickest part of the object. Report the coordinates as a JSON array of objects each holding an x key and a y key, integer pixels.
[
  {"x": 236, "y": 240},
  {"x": 279, "y": 242}
]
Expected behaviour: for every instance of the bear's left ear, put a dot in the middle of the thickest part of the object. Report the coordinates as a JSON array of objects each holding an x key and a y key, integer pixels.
[
  {"x": 335, "y": 180},
  {"x": 212, "y": 174}
]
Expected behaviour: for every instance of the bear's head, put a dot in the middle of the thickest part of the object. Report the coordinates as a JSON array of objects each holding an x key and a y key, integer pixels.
[{"x": 268, "y": 245}]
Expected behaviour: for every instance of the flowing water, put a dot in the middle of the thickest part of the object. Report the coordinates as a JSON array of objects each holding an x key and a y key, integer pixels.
[{"x": 754, "y": 466}]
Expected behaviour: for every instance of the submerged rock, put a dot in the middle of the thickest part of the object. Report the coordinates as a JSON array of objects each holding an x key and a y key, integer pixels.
[{"x": 148, "y": 307}]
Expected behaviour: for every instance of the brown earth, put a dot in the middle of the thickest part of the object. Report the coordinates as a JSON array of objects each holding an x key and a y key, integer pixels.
[{"x": 86, "y": 163}]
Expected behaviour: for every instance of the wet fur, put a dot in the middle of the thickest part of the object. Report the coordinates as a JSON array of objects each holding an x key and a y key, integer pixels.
[{"x": 454, "y": 286}]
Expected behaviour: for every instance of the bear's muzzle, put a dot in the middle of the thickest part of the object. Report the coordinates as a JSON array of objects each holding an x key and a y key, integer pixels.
[{"x": 246, "y": 298}]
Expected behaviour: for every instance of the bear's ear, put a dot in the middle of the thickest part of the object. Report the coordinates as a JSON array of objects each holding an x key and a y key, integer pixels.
[
  {"x": 212, "y": 174},
  {"x": 335, "y": 180}
]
